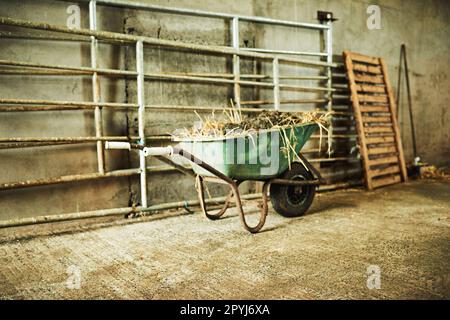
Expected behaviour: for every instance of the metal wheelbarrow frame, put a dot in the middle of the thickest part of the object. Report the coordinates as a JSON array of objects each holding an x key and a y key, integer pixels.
[{"x": 218, "y": 177}]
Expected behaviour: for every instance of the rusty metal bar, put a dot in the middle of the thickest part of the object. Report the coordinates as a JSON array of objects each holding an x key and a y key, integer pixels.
[
  {"x": 298, "y": 101},
  {"x": 68, "y": 178},
  {"x": 202, "y": 13},
  {"x": 45, "y": 108},
  {"x": 334, "y": 159},
  {"x": 154, "y": 208},
  {"x": 115, "y": 72},
  {"x": 170, "y": 76},
  {"x": 288, "y": 52},
  {"x": 126, "y": 38},
  {"x": 85, "y": 70},
  {"x": 24, "y": 72},
  {"x": 67, "y": 103},
  {"x": 65, "y": 139},
  {"x": 30, "y": 36},
  {"x": 113, "y": 212},
  {"x": 46, "y": 105},
  {"x": 295, "y": 182}
]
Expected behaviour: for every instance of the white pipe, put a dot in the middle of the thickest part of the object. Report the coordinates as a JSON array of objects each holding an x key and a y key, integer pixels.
[
  {"x": 276, "y": 84},
  {"x": 117, "y": 145},
  {"x": 236, "y": 62},
  {"x": 141, "y": 118},
  {"x": 158, "y": 151},
  {"x": 96, "y": 87}
]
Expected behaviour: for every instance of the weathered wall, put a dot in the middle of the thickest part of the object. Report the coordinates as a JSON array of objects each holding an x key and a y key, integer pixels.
[
  {"x": 421, "y": 25},
  {"x": 55, "y": 161}
]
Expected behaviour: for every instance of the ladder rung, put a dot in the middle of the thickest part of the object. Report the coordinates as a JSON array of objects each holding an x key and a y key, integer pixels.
[
  {"x": 378, "y": 129},
  {"x": 368, "y": 98},
  {"x": 382, "y": 150},
  {"x": 368, "y": 69},
  {"x": 374, "y": 140},
  {"x": 385, "y": 171},
  {"x": 377, "y": 119},
  {"x": 384, "y": 109},
  {"x": 376, "y": 183},
  {"x": 369, "y": 88},
  {"x": 376, "y": 162},
  {"x": 362, "y": 58},
  {"x": 369, "y": 79}
]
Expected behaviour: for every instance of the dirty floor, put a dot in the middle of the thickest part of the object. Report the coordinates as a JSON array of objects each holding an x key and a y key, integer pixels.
[{"x": 333, "y": 252}]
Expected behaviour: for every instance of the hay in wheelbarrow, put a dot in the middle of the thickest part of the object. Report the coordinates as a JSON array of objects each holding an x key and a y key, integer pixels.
[
  {"x": 216, "y": 140},
  {"x": 234, "y": 124}
]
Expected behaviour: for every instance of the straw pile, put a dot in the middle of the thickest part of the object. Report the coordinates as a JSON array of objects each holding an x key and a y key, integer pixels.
[
  {"x": 431, "y": 172},
  {"x": 235, "y": 125}
]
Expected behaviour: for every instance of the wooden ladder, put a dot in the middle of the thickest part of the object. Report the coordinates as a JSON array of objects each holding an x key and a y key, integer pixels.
[{"x": 376, "y": 123}]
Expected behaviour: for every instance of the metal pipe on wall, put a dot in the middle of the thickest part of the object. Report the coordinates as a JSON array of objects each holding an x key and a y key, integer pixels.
[
  {"x": 113, "y": 212},
  {"x": 128, "y": 210},
  {"x": 141, "y": 119},
  {"x": 202, "y": 13},
  {"x": 68, "y": 178},
  {"x": 296, "y": 53},
  {"x": 236, "y": 62},
  {"x": 276, "y": 84},
  {"x": 67, "y": 103},
  {"x": 96, "y": 88},
  {"x": 172, "y": 76}
]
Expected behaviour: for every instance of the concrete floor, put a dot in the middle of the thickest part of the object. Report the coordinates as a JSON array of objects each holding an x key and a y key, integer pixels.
[{"x": 403, "y": 229}]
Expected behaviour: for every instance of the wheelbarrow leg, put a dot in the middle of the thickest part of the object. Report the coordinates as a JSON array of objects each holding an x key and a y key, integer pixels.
[
  {"x": 201, "y": 197},
  {"x": 263, "y": 212}
]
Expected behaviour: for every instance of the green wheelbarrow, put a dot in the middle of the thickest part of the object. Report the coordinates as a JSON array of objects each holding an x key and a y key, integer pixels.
[{"x": 269, "y": 156}]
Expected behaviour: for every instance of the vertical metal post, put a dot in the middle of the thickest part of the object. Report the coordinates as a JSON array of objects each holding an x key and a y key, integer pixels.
[
  {"x": 236, "y": 62},
  {"x": 330, "y": 60},
  {"x": 96, "y": 88},
  {"x": 330, "y": 78},
  {"x": 328, "y": 18},
  {"x": 276, "y": 84},
  {"x": 141, "y": 119}
]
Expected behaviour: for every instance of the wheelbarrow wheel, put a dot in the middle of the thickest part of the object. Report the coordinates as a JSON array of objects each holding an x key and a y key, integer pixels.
[{"x": 293, "y": 201}]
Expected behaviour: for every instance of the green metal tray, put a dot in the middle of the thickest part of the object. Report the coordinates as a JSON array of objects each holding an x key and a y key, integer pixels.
[{"x": 260, "y": 156}]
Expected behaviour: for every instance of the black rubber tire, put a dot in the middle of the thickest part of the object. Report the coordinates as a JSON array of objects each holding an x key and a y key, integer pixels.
[{"x": 291, "y": 201}]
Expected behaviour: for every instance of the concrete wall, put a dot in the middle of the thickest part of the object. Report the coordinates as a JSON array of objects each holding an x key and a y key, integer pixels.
[{"x": 421, "y": 25}]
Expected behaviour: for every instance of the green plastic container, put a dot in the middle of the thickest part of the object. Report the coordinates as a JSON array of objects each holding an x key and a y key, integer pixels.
[{"x": 258, "y": 156}]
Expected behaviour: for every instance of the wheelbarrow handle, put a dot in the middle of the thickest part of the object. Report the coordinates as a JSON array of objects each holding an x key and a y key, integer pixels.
[
  {"x": 158, "y": 151},
  {"x": 166, "y": 151},
  {"x": 154, "y": 151}
]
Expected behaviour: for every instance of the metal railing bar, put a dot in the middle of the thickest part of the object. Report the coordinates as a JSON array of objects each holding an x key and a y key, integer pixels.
[
  {"x": 159, "y": 42},
  {"x": 150, "y": 76},
  {"x": 65, "y": 103},
  {"x": 287, "y": 52},
  {"x": 202, "y": 13},
  {"x": 87, "y": 70}
]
